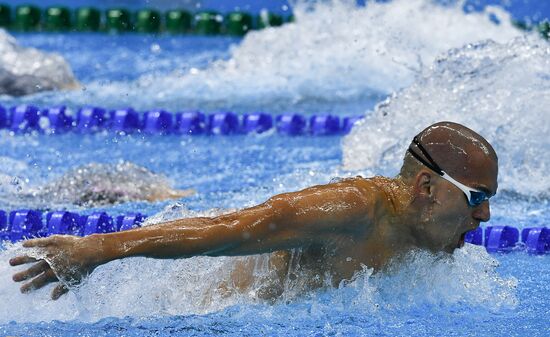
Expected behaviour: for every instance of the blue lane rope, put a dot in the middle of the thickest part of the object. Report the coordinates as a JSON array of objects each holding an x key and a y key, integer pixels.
[
  {"x": 23, "y": 224},
  {"x": 58, "y": 120}
]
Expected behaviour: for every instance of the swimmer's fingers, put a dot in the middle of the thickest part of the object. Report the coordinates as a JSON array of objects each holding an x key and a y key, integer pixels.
[
  {"x": 42, "y": 242},
  {"x": 59, "y": 291},
  {"x": 38, "y": 282},
  {"x": 18, "y": 260},
  {"x": 37, "y": 269}
]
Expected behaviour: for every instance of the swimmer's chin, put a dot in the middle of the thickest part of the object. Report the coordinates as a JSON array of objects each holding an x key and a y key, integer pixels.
[
  {"x": 458, "y": 245},
  {"x": 452, "y": 250},
  {"x": 461, "y": 241}
]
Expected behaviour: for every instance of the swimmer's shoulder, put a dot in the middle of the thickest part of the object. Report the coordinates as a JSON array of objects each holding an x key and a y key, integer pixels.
[
  {"x": 369, "y": 185},
  {"x": 365, "y": 202},
  {"x": 384, "y": 192},
  {"x": 370, "y": 189}
]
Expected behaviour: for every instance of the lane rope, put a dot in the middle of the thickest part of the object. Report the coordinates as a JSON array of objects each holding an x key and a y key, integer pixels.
[
  {"x": 29, "y": 18},
  {"x": 58, "y": 120}
]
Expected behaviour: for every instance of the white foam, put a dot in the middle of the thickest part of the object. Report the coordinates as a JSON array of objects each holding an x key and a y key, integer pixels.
[
  {"x": 140, "y": 287},
  {"x": 11, "y": 173},
  {"x": 499, "y": 90},
  {"x": 469, "y": 276},
  {"x": 336, "y": 52},
  {"x": 28, "y": 70}
]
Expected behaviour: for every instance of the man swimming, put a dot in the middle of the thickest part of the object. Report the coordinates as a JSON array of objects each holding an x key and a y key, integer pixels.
[
  {"x": 442, "y": 191},
  {"x": 95, "y": 184}
]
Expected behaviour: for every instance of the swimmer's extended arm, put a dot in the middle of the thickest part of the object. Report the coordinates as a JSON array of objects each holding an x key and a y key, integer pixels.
[
  {"x": 285, "y": 221},
  {"x": 288, "y": 220}
]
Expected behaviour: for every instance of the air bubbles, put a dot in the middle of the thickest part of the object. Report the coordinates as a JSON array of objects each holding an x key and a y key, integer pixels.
[
  {"x": 17, "y": 183},
  {"x": 155, "y": 48}
]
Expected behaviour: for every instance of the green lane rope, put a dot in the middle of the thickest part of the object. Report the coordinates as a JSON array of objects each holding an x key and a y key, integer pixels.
[{"x": 28, "y": 18}]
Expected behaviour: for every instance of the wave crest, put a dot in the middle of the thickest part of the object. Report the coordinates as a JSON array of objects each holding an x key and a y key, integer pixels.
[
  {"x": 334, "y": 52},
  {"x": 499, "y": 90}
]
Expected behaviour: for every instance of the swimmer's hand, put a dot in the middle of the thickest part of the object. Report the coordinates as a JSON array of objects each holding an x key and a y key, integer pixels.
[{"x": 68, "y": 258}]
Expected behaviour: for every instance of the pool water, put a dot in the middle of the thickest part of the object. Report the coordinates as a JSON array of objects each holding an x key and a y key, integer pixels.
[{"x": 404, "y": 65}]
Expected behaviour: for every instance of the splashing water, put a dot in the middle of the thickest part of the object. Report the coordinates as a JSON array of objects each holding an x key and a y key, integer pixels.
[
  {"x": 141, "y": 287},
  {"x": 27, "y": 70},
  {"x": 370, "y": 49},
  {"x": 336, "y": 52},
  {"x": 468, "y": 276},
  {"x": 499, "y": 90},
  {"x": 10, "y": 175}
]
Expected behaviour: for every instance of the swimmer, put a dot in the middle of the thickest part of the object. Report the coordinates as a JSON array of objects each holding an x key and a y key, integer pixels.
[
  {"x": 442, "y": 191},
  {"x": 96, "y": 184},
  {"x": 25, "y": 71}
]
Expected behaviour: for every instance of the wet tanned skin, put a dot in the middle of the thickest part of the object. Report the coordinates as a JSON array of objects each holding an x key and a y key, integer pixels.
[{"x": 339, "y": 226}]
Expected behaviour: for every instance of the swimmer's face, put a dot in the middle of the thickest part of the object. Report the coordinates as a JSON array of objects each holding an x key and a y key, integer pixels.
[{"x": 447, "y": 216}]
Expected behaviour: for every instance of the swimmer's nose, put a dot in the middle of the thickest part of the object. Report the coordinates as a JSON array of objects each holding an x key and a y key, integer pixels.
[{"x": 482, "y": 212}]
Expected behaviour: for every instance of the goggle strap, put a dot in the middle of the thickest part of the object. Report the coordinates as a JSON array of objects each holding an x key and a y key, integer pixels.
[
  {"x": 427, "y": 155},
  {"x": 431, "y": 164},
  {"x": 461, "y": 186}
]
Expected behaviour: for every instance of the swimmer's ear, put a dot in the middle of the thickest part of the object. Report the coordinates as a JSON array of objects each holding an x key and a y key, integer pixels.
[{"x": 423, "y": 184}]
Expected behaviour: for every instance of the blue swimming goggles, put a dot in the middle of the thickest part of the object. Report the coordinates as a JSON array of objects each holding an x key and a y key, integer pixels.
[{"x": 475, "y": 197}]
